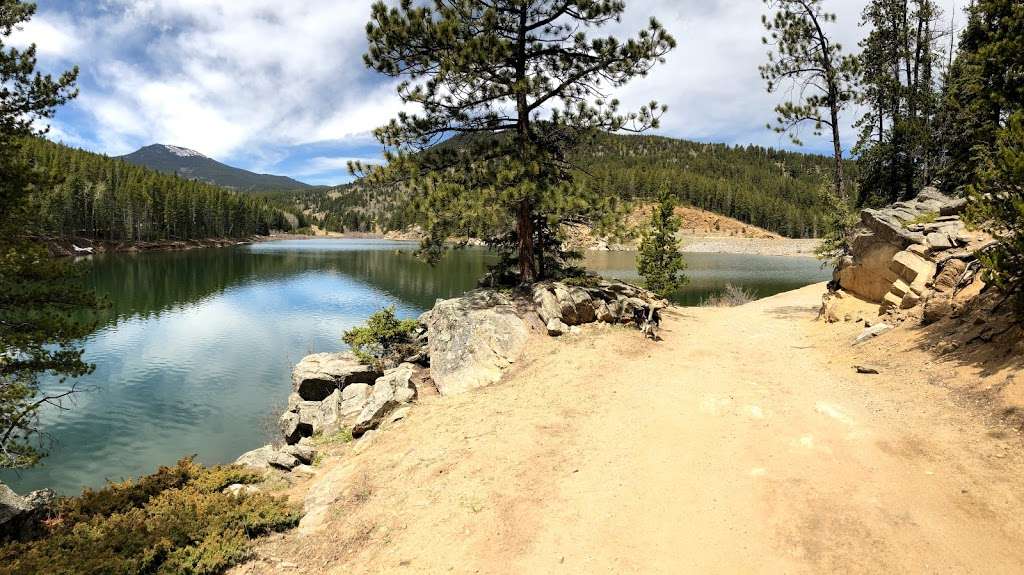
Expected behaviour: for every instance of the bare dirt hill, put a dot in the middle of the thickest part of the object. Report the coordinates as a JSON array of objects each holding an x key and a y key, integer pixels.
[{"x": 744, "y": 442}]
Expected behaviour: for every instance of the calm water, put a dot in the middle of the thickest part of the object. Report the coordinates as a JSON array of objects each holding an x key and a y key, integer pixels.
[{"x": 195, "y": 352}]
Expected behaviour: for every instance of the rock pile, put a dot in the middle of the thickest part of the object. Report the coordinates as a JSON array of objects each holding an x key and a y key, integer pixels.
[
  {"x": 914, "y": 257},
  {"x": 560, "y": 306},
  {"x": 464, "y": 343}
]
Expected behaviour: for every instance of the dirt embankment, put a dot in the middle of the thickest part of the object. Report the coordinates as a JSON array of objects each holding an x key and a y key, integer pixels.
[
  {"x": 700, "y": 231},
  {"x": 744, "y": 442}
]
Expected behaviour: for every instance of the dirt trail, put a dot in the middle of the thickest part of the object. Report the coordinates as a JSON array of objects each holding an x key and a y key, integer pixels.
[{"x": 742, "y": 443}]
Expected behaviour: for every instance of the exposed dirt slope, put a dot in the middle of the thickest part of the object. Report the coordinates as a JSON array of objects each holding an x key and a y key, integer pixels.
[{"x": 744, "y": 442}]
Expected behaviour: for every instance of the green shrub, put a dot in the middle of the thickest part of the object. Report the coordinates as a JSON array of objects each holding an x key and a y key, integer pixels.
[
  {"x": 659, "y": 260},
  {"x": 384, "y": 341},
  {"x": 175, "y": 521}
]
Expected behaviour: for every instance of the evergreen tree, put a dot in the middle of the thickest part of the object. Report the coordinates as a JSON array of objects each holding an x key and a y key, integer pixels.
[
  {"x": 659, "y": 260},
  {"x": 899, "y": 89},
  {"x": 984, "y": 88},
  {"x": 802, "y": 56},
  {"x": 37, "y": 293},
  {"x": 1000, "y": 191},
  {"x": 524, "y": 85}
]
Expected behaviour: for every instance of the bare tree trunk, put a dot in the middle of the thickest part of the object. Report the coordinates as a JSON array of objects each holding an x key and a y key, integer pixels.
[{"x": 524, "y": 211}]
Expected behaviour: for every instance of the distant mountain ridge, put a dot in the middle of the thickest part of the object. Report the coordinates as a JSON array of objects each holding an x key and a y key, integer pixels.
[{"x": 193, "y": 165}]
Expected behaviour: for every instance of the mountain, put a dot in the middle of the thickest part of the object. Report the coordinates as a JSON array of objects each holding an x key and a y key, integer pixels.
[
  {"x": 776, "y": 190},
  {"x": 192, "y": 165}
]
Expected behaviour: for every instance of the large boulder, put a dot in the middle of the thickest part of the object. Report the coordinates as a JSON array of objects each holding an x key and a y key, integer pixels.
[
  {"x": 267, "y": 457},
  {"x": 472, "y": 339},
  {"x": 392, "y": 390},
  {"x": 317, "y": 376},
  {"x": 12, "y": 507}
]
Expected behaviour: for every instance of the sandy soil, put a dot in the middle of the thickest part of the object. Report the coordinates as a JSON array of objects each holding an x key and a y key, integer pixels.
[{"x": 744, "y": 442}]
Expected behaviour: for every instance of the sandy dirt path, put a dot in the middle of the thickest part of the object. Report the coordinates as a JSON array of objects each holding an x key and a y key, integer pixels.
[{"x": 742, "y": 443}]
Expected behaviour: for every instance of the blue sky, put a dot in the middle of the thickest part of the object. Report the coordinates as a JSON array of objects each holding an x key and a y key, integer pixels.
[{"x": 280, "y": 87}]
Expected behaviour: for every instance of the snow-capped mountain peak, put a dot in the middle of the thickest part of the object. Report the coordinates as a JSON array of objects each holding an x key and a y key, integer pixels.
[{"x": 183, "y": 152}]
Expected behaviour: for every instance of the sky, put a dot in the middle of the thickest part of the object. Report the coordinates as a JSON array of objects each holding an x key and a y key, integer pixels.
[{"x": 280, "y": 87}]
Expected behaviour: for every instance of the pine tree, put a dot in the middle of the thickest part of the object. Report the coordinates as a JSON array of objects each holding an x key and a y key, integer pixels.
[
  {"x": 522, "y": 85},
  {"x": 899, "y": 88},
  {"x": 803, "y": 56},
  {"x": 37, "y": 292},
  {"x": 659, "y": 260}
]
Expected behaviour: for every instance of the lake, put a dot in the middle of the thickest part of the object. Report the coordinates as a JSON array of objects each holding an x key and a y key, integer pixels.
[{"x": 194, "y": 353}]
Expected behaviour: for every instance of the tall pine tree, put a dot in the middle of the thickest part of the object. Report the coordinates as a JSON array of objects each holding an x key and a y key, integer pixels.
[
  {"x": 659, "y": 259},
  {"x": 37, "y": 293},
  {"x": 522, "y": 85},
  {"x": 803, "y": 57}
]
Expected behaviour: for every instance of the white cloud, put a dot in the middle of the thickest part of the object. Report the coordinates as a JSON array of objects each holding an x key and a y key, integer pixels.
[
  {"x": 323, "y": 164},
  {"x": 253, "y": 79}
]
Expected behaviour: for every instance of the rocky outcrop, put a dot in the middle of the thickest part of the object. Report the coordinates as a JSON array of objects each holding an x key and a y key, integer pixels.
[
  {"x": 391, "y": 391},
  {"x": 319, "y": 375},
  {"x": 911, "y": 256},
  {"x": 559, "y": 305},
  {"x": 18, "y": 513},
  {"x": 472, "y": 339}
]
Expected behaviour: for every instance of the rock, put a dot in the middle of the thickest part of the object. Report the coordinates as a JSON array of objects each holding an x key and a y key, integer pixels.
[
  {"x": 319, "y": 375},
  {"x": 290, "y": 427},
  {"x": 912, "y": 268},
  {"x": 473, "y": 338},
  {"x": 932, "y": 194},
  {"x": 353, "y": 399},
  {"x": 548, "y": 307},
  {"x": 872, "y": 332},
  {"x": 12, "y": 507},
  {"x": 304, "y": 453},
  {"x": 556, "y": 327},
  {"x": 866, "y": 369},
  {"x": 282, "y": 460},
  {"x": 307, "y": 470},
  {"x": 867, "y": 272},
  {"x": 390, "y": 391},
  {"x": 584, "y": 306},
  {"x": 940, "y": 241},
  {"x": 566, "y": 305},
  {"x": 910, "y": 301},
  {"x": 954, "y": 207},
  {"x": 604, "y": 313},
  {"x": 891, "y": 301},
  {"x": 240, "y": 489},
  {"x": 258, "y": 458}
]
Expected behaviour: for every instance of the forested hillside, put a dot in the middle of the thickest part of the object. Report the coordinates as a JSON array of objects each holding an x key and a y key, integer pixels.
[
  {"x": 101, "y": 198},
  {"x": 772, "y": 189}
]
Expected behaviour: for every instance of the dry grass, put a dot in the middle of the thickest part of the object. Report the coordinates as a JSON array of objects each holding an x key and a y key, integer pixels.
[{"x": 731, "y": 296}]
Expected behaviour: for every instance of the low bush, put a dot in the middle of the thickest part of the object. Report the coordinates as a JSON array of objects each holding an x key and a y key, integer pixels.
[
  {"x": 175, "y": 521},
  {"x": 384, "y": 341},
  {"x": 731, "y": 296}
]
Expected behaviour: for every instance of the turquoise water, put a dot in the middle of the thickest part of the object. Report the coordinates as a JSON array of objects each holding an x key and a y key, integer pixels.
[{"x": 194, "y": 354}]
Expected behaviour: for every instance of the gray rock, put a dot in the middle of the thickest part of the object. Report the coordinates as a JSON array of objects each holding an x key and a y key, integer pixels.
[
  {"x": 889, "y": 228},
  {"x": 939, "y": 241},
  {"x": 290, "y": 427},
  {"x": 566, "y": 305},
  {"x": 954, "y": 207},
  {"x": 240, "y": 489},
  {"x": 12, "y": 506},
  {"x": 258, "y": 458},
  {"x": 319, "y": 375},
  {"x": 604, "y": 313},
  {"x": 931, "y": 193},
  {"x": 390, "y": 391},
  {"x": 304, "y": 453},
  {"x": 872, "y": 332},
  {"x": 556, "y": 327},
  {"x": 282, "y": 460},
  {"x": 548, "y": 307},
  {"x": 474, "y": 338},
  {"x": 353, "y": 400}
]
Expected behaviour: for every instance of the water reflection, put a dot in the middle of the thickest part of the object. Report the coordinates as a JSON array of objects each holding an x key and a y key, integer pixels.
[{"x": 194, "y": 353}]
